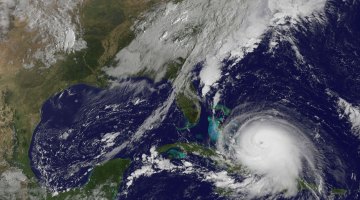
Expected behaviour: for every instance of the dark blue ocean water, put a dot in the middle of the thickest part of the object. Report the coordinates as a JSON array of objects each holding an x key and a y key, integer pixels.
[{"x": 67, "y": 142}]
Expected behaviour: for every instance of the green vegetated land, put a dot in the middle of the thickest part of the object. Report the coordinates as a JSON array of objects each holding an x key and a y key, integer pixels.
[
  {"x": 104, "y": 182},
  {"x": 189, "y": 106},
  {"x": 188, "y": 148},
  {"x": 303, "y": 185},
  {"x": 173, "y": 68},
  {"x": 186, "y": 101},
  {"x": 225, "y": 192},
  {"x": 107, "y": 29},
  {"x": 338, "y": 191}
]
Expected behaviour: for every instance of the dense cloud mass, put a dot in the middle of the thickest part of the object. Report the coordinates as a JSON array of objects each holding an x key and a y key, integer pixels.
[
  {"x": 207, "y": 31},
  {"x": 274, "y": 150},
  {"x": 57, "y": 24}
]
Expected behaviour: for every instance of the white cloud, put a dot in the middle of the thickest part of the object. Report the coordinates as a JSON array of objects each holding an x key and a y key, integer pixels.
[
  {"x": 6, "y": 7},
  {"x": 70, "y": 40},
  {"x": 109, "y": 138},
  {"x": 57, "y": 24},
  {"x": 352, "y": 112},
  {"x": 204, "y": 30},
  {"x": 11, "y": 183}
]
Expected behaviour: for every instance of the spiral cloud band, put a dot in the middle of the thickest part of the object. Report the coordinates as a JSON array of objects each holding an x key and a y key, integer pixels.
[{"x": 276, "y": 153}]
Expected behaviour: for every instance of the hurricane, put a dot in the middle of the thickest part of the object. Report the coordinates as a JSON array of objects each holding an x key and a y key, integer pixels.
[
  {"x": 180, "y": 100},
  {"x": 275, "y": 150}
]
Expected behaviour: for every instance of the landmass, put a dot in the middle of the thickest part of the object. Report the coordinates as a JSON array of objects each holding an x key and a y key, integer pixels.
[{"x": 23, "y": 90}]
